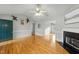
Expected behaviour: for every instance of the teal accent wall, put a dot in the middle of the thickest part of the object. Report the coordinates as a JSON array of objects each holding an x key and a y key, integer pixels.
[{"x": 6, "y": 30}]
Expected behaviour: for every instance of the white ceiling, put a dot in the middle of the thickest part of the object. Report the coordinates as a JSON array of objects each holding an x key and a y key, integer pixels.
[{"x": 53, "y": 10}]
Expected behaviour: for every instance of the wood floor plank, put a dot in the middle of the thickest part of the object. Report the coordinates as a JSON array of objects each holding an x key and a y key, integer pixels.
[{"x": 29, "y": 45}]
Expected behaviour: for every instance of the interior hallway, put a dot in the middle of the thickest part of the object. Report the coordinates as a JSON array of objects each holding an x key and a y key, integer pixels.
[{"x": 31, "y": 45}]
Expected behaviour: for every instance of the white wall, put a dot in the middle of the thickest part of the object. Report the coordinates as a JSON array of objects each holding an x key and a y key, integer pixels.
[
  {"x": 58, "y": 27},
  {"x": 61, "y": 26},
  {"x": 45, "y": 28},
  {"x": 20, "y": 30},
  {"x": 72, "y": 27},
  {"x": 5, "y": 16},
  {"x": 39, "y": 31}
]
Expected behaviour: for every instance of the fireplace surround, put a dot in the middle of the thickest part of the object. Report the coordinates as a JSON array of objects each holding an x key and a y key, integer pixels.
[{"x": 71, "y": 41}]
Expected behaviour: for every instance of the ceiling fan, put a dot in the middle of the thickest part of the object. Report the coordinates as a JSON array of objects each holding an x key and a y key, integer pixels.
[{"x": 39, "y": 11}]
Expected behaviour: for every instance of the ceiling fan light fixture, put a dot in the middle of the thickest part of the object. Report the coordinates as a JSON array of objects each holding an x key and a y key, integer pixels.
[
  {"x": 37, "y": 9},
  {"x": 38, "y": 14}
]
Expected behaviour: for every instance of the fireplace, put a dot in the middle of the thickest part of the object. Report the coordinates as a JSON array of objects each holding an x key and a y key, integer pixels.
[{"x": 71, "y": 41}]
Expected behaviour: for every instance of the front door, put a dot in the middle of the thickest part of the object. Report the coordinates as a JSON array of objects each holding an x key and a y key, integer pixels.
[{"x": 6, "y": 30}]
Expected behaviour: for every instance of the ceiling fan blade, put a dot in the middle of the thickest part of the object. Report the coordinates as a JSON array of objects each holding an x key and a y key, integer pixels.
[
  {"x": 33, "y": 11},
  {"x": 43, "y": 11},
  {"x": 46, "y": 14}
]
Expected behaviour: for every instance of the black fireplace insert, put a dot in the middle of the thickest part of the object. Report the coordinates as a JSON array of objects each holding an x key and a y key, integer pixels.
[{"x": 71, "y": 42}]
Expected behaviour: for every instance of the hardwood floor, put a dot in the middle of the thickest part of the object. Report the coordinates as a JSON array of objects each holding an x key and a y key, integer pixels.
[{"x": 29, "y": 45}]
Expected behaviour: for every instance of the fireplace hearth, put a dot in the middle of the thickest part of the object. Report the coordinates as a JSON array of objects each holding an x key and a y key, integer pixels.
[{"x": 71, "y": 42}]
